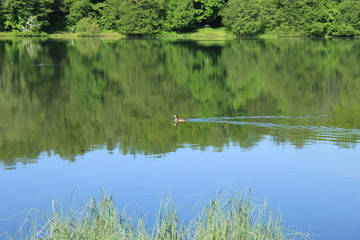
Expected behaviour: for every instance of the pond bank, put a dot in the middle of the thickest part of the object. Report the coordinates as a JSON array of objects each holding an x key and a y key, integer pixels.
[{"x": 206, "y": 33}]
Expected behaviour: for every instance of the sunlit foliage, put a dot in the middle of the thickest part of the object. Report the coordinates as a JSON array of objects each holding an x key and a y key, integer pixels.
[
  {"x": 288, "y": 17},
  {"x": 88, "y": 27},
  {"x": 148, "y": 17},
  {"x": 136, "y": 18},
  {"x": 77, "y": 9},
  {"x": 180, "y": 15},
  {"x": 243, "y": 17},
  {"x": 27, "y": 15}
]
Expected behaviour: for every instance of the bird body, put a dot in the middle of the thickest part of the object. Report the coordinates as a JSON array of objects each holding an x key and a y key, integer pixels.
[{"x": 177, "y": 119}]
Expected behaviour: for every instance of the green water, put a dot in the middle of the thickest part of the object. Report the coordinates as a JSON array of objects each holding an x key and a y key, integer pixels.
[{"x": 69, "y": 96}]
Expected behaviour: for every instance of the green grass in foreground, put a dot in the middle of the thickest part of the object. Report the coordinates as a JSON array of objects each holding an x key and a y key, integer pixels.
[{"x": 224, "y": 218}]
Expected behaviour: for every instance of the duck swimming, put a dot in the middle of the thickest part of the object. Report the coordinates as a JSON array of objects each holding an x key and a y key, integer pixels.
[{"x": 177, "y": 119}]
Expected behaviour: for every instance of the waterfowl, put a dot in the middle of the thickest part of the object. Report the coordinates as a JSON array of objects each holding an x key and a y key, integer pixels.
[{"x": 177, "y": 119}]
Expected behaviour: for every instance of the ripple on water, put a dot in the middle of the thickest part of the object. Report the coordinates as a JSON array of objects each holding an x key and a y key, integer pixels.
[{"x": 317, "y": 131}]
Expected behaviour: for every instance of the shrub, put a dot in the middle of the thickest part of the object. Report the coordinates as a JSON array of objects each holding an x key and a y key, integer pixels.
[
  {"x": 139, "y": 18},
  {"x": 243, "y": 18},
  {"x": 31, "y": 25},
  {"x": 88, "y": 27},
  {"x": 179, "y": 15},
  {"x": 1, "y": 18}
]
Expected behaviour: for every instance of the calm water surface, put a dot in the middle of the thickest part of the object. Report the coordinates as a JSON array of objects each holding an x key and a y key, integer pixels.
[{"x": 281, "y": 117}]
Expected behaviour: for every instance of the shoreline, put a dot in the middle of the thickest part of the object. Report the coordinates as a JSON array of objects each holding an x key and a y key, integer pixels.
[{"x": 200, "y": 34}]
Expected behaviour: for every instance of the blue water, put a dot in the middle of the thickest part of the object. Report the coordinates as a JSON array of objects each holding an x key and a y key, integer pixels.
[{"x": 323, "y": 197}]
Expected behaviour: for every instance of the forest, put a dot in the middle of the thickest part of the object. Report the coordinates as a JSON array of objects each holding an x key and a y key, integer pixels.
[{"x": 316, "y": 18}]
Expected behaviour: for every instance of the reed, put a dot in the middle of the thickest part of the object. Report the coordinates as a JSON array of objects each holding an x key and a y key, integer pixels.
[{"x": 224, "y": 218}]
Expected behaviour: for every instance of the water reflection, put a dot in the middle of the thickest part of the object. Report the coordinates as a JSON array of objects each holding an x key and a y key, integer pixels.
[
  {"x": 64, "y": 97},
  {"x": 323, "y": 133}
]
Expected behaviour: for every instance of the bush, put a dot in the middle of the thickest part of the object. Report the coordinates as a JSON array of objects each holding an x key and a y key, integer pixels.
[
  {"x": 1, "y": 18},
  {"x": 243, "y": 17},
  {"x": 139, "y": 18},
  {"x": 343, "y": 30},
  {"x": 27, "y": 16},
  {"x": 31, "y": 25},
  {"x": 347, "y": 21},
  {"x": 88, "y": 27},
  {"x": 179, "y": 15}
]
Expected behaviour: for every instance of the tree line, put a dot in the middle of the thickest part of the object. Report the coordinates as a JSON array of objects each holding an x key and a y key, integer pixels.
[{"x": 150, "y": 17}]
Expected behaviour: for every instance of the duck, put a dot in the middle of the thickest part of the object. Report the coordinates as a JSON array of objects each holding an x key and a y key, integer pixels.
[{"x": 177, "y": 119}]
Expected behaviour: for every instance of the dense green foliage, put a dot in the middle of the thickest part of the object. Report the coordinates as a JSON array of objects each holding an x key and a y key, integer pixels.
[
  {"x": 27, "y": 15},
  {"x": 77, "y": 10},
  {"x": 88, "y": 27},
  {"x": 148, "y": 17},
  {"x": 208, "y": 12},
  {"x": 243, "y": 17},
  {"x": 123, "y": 94},
  {"x": 2, "y": 20},
  {"x": 288, "y": 17},
  {"x": 141, "y": 17},
  {"x": 180, "y": 15}
]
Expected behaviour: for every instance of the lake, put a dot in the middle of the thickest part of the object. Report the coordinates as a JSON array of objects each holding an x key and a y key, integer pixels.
[{"x": 278, "y": 116}]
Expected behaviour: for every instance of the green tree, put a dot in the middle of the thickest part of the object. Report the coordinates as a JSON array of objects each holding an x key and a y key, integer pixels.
[
  {"x": 315, "y": 18},
  {"x": 1, "y": 16},
  {"x": 77, "y": 9},
  {"x": 270, "y": 12},
  {"x": 350, "y": 12},
  {"x": 179, "y": 15},
  {"x": 288, "y": 17},
  {"x": 138, "y": 18},
  {"x": 57, "y": 18},
  {"x": 27, "y": 15},
  {"x": 302, "y": 17},
  {"x": 88, "y": 27},
  {"x": 347, "y": 17},
  {"x": 207, "y": 12},
  {"x": 111, "y": 14},
  {"x": 243, "y": 17},
  {"x": 101, "y": 16}
]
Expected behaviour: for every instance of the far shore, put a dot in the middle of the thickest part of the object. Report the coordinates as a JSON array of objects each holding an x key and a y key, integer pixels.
[{"x": 206, "y": 33}]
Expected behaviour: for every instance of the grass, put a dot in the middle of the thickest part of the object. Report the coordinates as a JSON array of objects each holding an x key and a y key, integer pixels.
[
  {"x": 7, "y": 35},
  {"x": 204, "y": 33},
  {"x": 224, "y": 218}
]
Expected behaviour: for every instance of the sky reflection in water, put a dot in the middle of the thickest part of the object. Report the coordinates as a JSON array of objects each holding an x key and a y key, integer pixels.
[{"x": 309, "y": 186}]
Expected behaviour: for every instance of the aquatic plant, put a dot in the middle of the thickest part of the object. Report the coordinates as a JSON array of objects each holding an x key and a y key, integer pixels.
[{"x": 226, "y": 217}]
